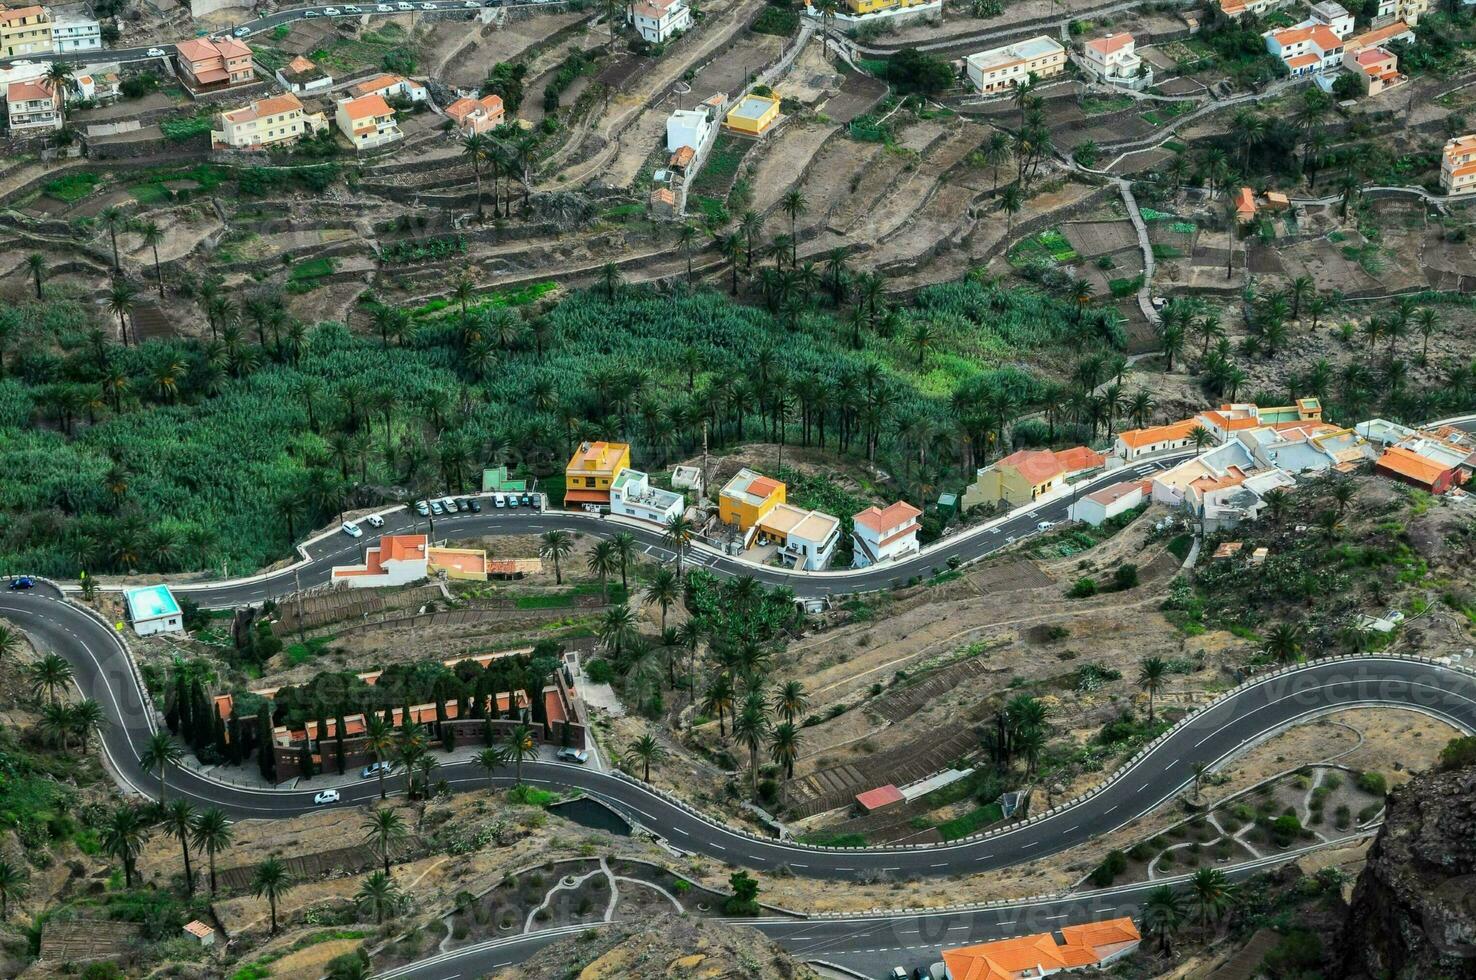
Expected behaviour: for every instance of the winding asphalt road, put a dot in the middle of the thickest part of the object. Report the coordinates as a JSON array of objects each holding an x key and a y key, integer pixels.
[{"x": 1227, "y": 727}]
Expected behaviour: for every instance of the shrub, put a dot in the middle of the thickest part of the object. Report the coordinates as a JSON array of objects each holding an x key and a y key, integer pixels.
[
  {"x": 1343, "y": 817},
  {"x": 1285, "y": 829},
  {"x": 1126, "y": 577},
  {"x": 1083, "y": 588},
  {"x": 1373, "y": 783},
  {"x": 1107, "y": 872},
  {"x": 1459, "y": 753},
  {"x": 600, "y": 671}
]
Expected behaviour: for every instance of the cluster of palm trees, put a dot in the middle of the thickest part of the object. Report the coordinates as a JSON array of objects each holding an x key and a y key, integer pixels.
[
  {"x": 508, "y": 153},
  {"x": 1018, "y": 731},
  {"x": 1208, "y": 895}
]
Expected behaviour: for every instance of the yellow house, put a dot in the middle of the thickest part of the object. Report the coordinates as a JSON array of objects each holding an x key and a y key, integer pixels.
[
  {"x": 754, "y": 114},
  {"x": 873, "y": 6},
  {"x": 1029, "y": 474},
  {"x": 266, "y": 122},
  {"x": 748, "y": 497},
  {"x": 465, "y": 564},
  {"x": 24, "y": 31},
  {"x": 592, "y": 469}
]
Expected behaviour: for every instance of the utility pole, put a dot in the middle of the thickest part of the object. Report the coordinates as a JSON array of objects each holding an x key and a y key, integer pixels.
[{"x": 297, "y": 585}]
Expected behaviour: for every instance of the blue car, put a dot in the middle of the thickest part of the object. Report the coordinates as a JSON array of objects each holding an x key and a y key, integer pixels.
[{"x": 23, "y": 582}]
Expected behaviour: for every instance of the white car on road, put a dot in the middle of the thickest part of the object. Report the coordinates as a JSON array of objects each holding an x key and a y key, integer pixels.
[
  {"x": 352, "y": 530},
  {"x": 155, "y": 52},
  {"x": 241, "y": 32},
  {"x": 332, "y": 11},
  {"x": 374, "y": 520},
  {"x": 1045, "y": 525},
  {"x": 326, "y": 796}
]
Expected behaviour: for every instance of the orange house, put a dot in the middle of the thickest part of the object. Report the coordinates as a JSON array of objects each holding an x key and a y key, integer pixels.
[{"x": 206, "y": 63}]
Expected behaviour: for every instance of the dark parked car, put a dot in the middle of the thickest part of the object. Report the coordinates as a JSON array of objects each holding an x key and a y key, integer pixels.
[
  {"x": 476, "y": 505},
  {"x": 22, "y": 582}
]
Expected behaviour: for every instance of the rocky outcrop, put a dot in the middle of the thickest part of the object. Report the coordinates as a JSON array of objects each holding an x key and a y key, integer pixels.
[{"x": 1414, "y": 908}]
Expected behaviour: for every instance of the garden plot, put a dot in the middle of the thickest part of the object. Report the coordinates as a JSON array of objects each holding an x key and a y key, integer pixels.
[
  {"x": 1316, "y": 804},
  {"x": 784, "y": 159},
  {"x": 729, "y": 69},
  {"x": 1350, "y": 266},
  {"x": 1093, "y": 238},
  {"x": 858, "y": 94},
  {"x": 462, "y": 54},
  {"x": 1449, "y": 264},
  {"x": 939, "y": 150}
]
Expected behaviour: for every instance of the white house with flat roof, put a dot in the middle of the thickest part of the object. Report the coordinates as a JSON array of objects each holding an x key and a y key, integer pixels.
[
  {"x": 153, "y": 609},
  {"x": 631, "y": 495},
  {"x": 1104, "y": 504},
  {"x": 807, "y": 538},
  {"x": 1001, "y": 69},
  {"x": 687, "y": 127}
]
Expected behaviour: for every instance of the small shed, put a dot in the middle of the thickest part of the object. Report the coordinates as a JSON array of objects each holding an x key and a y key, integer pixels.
[
  {"x": 876, "y": 799},
  {"x": 200, "y": 932}
]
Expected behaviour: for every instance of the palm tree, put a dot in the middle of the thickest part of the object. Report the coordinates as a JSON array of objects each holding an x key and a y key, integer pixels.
[
  {"x": 791, "y": 701},
  {"x": 1200, "y": 770},
  {"x": 1285, "y": 642},
  {"x": 36, "y": 263},
  {"x": 383, "y": 828},
  {"x": 610, "y": 279},
  {"x": 678, "y": 536},
  {"x": 161, "y": 752},
  {"x": 152, "y": 236},
  {"x": 1212, "y": 894},
  {"x": 750, "y": 727},
  {"x": 380, "y": 893},
  {"x": 1201, "y": 437},
  {"x": 112, "y": 219},
  {"x": 556, "y": 545},
  {"x": 87, "y": 717},
  {"x": 124, "y": 837},
  {"x": 491, "y": 759},
  {"x": 474, "y": 148},
  {"x": 10, "y": 641},
  {"x": 648, "y": 750},
  {"x": 664, "y": 590},
  {"x": 604, "y": 561},
  {"x": 520, "y": 747},
  {"x": 718, "y": 698},
  {"x": 379, "y": 738},
  {"x": 48, "y": 675},
  {"x": 180, "y": 819},
  {"x": 686, "y": 239},
  {"x": 617, "y": 627},
  {"x": 1343, "y": 492},
  {"x": 793, "y": 204},
  {"x": 625, "y": 543},
  {"x": 120, "y": 304},
  {"x": 1277, "y": 501},
  {"x": 1427, "y": 322},
  {"x": 1152, "y": 675},
  {"x": 271, "y": 881},
  {"x": 1010, "y": 202},
  {"x": 1163, "y": 915},
  {"x": 56, "y": 720},
  {"x": 12, "y": 885},
  {"x": 784, "y": 742},
  {"x": 211, "y": 834}
]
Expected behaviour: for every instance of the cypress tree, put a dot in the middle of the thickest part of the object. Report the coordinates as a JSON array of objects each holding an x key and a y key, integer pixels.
[
  {"x": 535, "y": 698},
  {"x": 182, "y": 705},
  {"x": 439, "y": 694},
  {"x": 339, "y": 748},
  {"x": 202, "y": 732},
  {"x": 406, "y": 725},
  {"x": 487, "y": 734},
  {"x": 265, "y": 755},
  {"x": 307, "y": 762},
  {"x": 233, "y": 743}
]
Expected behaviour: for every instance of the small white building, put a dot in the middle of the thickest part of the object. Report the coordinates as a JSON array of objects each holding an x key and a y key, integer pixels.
[
  {"x": 301, "y": 76},
  {"x": 398, "y": 560},
  {"x": 657, "y": 20},
  {"x": 1106, "y": 503},
  {"x": 631, "y": 495},
  {"x": 72, "y": 32},
  {"x": 153, "y": 609},
  {"x": 1334, "y": 15},
  {"x": 392, "y": 87},
  {"x": 1114, "y": 60},
  {"x": 687, "y": 127},
  {"x": 879, "y": 535},
  {"x": 688, "y": 478}
]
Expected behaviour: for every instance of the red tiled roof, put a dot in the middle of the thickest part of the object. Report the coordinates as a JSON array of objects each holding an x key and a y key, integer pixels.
[
  {"x": 587, "y": 496},
  {"x": 1110, "y": 43},
  {"x": 880, "y": 520},
  {"x": 875, "y": 799},
  {"x": 1035, "y": 465},
  {"x": 1079, "y": 458},
  {"x": 1403, "y": 462}
]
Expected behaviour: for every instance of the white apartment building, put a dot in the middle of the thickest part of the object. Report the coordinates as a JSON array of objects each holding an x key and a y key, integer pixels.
[
  {"x": 33, "y": 107},
  {"x": 1458, "y": 165},
  {"x": 879, "y": 535},
  {"x": 1114, "y": 59},
  {"x": 70, "y": 32},
  {"x": 266, "y": 122},
  {"x": 999, "y": 69},
  {"x": 1307, "y": 49},
  {"x": 687, "y": 127},
  {"x": 631, "y": 495},
  {"x": 657, "y": 20},
  {"x": 367, "y": 121}
]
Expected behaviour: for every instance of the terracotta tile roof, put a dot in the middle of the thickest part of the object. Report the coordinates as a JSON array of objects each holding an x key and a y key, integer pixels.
[
  {"x": 402, "y": 547},
  {"x": 196, "y": 49},
  {"x": 1377, "y": 36},
  {"x": 1079, "y": 458},
  {"x": 197, "y": 928},
  {"x": 1098, "y": 934},
  {"x": 365, "y": 107},
  {"x": 1245, "y": 200},
  {"x": 20, "y": 13},
  {"x": 1110, "y": 43},
  {"x": 682, "y": 157},
  {"x": 1303, "y": 60},
  {"x": 382, "y": 82},
  {"x": 229, "y": 47},
  {"x": 880, "y": 520},
  {"x": 1035, "y": 465},
  {"x": 1117, "y": 491},
  {"x": 461, "y": 108},
  {"x": 874, "y": 799},
  {"x": 1401, "y": 461},
  {"x": 38, "y": 91},
  {"x": 265, "y": 107},
  {"x": 300, "y": 64},
  {"x": 764, "y": 486},
  {"x": 1137, "y": 438}
]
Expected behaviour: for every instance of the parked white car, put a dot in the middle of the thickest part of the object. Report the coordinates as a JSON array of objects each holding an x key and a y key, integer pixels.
[
  {"x": 326, "y": 796},
  {"x": 384, "y": 8},
  {"x": 241, "y": 32},
  {"x": 349, "y": 8},
  {"x": 374, "y": 520},
  {"x": 155, "y": 52},
  {"x": 352, "y": 530},
  {"x": 332, "y": 11}
]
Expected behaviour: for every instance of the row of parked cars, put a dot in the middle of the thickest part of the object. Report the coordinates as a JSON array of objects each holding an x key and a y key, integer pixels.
[{"x": 442, "y": 506}]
